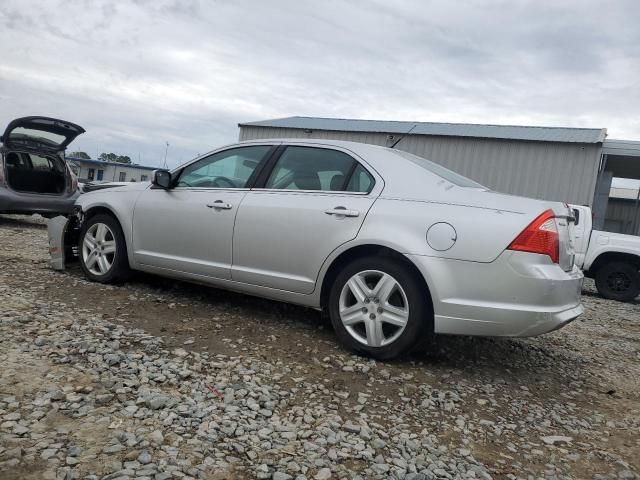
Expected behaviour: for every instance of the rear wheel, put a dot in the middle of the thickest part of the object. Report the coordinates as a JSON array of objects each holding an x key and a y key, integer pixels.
[
  {"x": 102, "y": 250},
  {"x": 378, "y": 307},
  {"x": 618, "y": 281}
]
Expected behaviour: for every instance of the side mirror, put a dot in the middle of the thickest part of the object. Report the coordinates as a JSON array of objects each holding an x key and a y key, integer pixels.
[{"x": 162, "y": 179}]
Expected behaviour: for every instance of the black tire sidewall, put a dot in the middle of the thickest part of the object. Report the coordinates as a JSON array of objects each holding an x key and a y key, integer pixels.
[
  {"x": 420, "y": 323},
  {"x": 120, "y": 267},
  {"x": 605, "y": 271}
]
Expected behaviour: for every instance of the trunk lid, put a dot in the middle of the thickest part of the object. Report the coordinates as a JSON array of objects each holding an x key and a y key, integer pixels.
[
  {"x": 532, "y": 208},
  {"x": 41, "y": 134}
]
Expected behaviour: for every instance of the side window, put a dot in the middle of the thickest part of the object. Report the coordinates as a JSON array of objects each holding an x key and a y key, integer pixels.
[
  {"x": 228, "y": 169},
  {"x": 361, "y": 181},
  {"x": 309, "y": 168},
  {"x": 40, "y": 163}
]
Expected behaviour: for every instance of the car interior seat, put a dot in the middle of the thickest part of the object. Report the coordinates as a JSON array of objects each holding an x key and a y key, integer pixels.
[
  {"x": 306, "y": 180},
  {"x": 337, "y": 183}
]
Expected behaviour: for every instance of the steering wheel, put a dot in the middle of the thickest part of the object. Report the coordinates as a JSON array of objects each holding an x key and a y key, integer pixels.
[{"x": 225, "y": 180}]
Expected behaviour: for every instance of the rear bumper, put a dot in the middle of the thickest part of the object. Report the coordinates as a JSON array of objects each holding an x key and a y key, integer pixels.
[
  {"x": 519, "y": 294},
  {"x": 18, "y": 202}
]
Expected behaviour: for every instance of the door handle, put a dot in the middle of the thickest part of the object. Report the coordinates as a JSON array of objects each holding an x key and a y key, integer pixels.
[
  {"x": 220, "y": 205},
  {"x": 342, "y": 211}
]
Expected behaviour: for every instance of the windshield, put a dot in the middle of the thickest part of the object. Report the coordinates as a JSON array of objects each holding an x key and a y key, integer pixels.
[{"x": 439, "y": 170}]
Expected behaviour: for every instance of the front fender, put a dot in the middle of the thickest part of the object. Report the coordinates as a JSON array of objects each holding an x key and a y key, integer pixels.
[{"x": 120, "y": 204}]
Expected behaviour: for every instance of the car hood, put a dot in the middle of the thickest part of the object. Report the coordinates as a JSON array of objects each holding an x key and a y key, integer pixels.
[
  {"x": 93, "y": 186},
  {"x": 41, "y": 134},
  {"x": 115, "y": 187}
]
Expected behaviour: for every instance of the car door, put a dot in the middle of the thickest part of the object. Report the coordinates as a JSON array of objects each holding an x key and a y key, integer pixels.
[
  {"x": 313, "y": 200},
  {"x": 189, "y": 227}
]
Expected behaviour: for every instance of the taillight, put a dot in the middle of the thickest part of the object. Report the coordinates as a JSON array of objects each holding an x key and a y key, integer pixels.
[{"x": 541, "y": 236}]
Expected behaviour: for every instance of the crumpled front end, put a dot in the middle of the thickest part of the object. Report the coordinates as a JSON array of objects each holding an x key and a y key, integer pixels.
[{"x": 63, "y": 236}]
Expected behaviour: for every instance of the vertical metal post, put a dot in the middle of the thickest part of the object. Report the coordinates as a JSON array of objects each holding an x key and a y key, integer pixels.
[{"x": 634, "y": 230}]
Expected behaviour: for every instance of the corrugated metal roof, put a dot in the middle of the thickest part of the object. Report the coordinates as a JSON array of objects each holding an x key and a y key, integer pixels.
[
  {"x": 512, "y": 132},
  {"x": 625, "y": 148}
]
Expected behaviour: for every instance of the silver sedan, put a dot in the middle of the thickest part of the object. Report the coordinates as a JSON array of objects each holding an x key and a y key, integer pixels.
[{"x": 395, "y": 248}]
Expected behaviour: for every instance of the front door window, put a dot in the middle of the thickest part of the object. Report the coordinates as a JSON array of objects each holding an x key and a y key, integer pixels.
[{"x": 227, "y": 169}]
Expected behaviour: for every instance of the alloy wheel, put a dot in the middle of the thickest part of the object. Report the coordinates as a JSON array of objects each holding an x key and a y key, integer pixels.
[
  {"x": 373, "y": 308},
  {"x": 98, "y": 249}
]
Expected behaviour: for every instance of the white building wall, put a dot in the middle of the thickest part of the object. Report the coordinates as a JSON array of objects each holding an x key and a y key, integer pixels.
[{"x": 111, "y": 173}]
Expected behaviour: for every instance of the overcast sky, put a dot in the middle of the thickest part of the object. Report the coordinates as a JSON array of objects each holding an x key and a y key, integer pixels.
[{"x": 137, "y": 74}]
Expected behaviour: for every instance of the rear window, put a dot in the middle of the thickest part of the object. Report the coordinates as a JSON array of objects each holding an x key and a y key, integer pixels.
[
  {"x": 439, "y": 170},
  {"x": 47, "y": 138}
]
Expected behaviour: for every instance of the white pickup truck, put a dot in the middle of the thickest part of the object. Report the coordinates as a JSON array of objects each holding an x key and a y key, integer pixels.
[{"x": 612, "y": 259}]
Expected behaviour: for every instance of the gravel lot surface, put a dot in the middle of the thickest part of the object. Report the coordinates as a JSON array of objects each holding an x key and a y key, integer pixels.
[{"x": 159, "y": 379}]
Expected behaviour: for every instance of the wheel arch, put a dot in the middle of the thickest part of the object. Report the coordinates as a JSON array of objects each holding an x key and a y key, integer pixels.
[
  {"x": 368, "y": 250},
  {"x": 94, "y": 210},
  {"x": 608, "y": 257}
]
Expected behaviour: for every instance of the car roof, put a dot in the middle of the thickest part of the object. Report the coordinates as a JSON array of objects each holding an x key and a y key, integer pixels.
[{"x": 353, "y": 146}]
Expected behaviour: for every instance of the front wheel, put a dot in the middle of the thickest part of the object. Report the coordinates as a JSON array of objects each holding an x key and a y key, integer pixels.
[
  {"x": 378, "y": 307},
  {"x": 618, "y": 281},
  {"x": 103, "y": 250}
]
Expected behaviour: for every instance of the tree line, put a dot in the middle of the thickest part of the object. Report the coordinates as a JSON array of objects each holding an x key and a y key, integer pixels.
[{"x": 104, "y": 157}]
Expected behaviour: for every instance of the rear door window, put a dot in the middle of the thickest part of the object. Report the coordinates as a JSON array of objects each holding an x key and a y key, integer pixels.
[{"x": 316, "y": 169}]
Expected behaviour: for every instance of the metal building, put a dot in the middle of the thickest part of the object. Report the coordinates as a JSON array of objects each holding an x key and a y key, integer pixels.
[
  {"x": 549, "y": 163},
  {"x": 621, "y": 158}
]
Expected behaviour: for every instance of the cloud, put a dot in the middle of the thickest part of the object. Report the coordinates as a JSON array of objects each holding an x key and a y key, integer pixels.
[{"x": 136, "y": 74}]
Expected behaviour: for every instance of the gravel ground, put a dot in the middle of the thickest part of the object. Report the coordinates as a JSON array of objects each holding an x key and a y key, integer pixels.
[{"x": 159, "y": 379}]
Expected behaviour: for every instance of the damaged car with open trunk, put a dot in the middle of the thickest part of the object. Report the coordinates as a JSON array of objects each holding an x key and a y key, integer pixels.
[{"x": 34, "y": 176}]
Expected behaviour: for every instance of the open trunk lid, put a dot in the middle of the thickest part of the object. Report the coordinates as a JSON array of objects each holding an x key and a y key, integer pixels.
[{"x": 41, "y": 134}]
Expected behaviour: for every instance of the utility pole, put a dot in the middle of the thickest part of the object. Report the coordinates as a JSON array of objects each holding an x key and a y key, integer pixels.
[{"x": 165, "y": 155}]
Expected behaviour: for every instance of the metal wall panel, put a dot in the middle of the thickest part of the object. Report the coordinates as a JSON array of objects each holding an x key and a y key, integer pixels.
[
  {"x": 623, "y": 216},
  {"x": 563, "y": 172}
]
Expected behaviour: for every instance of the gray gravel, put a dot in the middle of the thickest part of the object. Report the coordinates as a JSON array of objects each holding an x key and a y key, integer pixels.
[{"x": 162, "y": 380}]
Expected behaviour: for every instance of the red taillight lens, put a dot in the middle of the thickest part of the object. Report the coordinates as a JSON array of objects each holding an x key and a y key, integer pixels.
[{"x": 541, "y": 236}]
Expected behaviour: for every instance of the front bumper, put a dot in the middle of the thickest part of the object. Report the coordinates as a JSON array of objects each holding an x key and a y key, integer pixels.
[
  {"x": 63, "y": 241},
  {"x": 519, "y": 294}
]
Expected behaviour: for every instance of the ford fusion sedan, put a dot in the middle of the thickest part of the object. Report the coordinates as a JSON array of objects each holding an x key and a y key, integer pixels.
[
  {"x": 34, "y": 177},
  {"x": 393, "y": 247}
]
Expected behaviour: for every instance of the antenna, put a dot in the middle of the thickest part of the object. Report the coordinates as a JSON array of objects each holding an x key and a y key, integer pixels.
[{"x": 402, "y": 137}]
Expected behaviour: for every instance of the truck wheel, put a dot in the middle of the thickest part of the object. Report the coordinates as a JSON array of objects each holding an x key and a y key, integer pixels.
[{"x": 618, "y": 281}]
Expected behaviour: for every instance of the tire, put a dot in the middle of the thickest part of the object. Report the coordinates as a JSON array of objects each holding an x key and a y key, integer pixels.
[
  {"x": 102, "y": 250},
  {"x": 618, "y": 281},
  {"x": 364, "y": 332}
]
